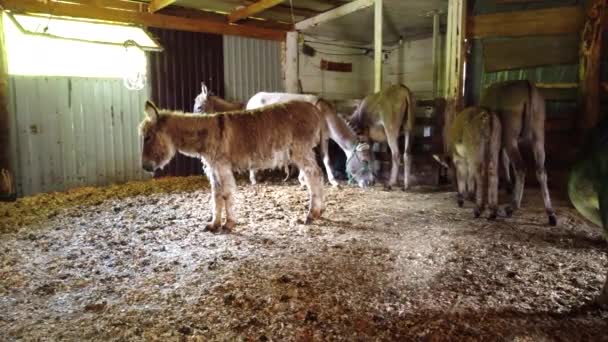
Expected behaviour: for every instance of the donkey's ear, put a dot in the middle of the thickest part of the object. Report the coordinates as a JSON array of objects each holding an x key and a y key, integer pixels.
[
  {"x": 203, "y": 88},
  {"x": 151, "y": 110}
]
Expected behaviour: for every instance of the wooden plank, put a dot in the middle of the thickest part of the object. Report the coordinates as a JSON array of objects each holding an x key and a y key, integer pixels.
[
  {"x": 559, "y": 94},
  {"x": 7, "y": 184},
  {"x": 124, "y": 5},
  {"x": 146, "y": 19},
  {"x": 590, "y": 64},
  {"x": 556, "y": 85},
  {"x": 526, "y": 52},
  {"x": 333, "y": 14},
  {"x": 562, "y": 20},
  {"x": 377, "y": 45},
  {"x": 157, "y": 5},
  {"x": 291, "y": 63},
  {"x": 252, "y": 9}
]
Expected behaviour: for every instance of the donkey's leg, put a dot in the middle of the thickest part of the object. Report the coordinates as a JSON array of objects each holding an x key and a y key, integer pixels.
[
  {"x": 461, "y": 175},
  {"x": 327, "y": 163},
  {"x": 471, "y": 186},
  {"x": 252, "y": 177},
  {"x": 407, "y": 160},
  {"x": 314, "y": 182},
  {"x": 392, "y": 139},
  {"x": 506, "y": 162},
  {"x": 520, "y": 176},
  {"x": 492, "y": 170},
  {"x": 217, "y": 199},
  {"x": 538, "y": 147},
  {"x": 228, "y": 192},
  {"x": 602, "y": 300},
  {"x": 479, "y": 172}
]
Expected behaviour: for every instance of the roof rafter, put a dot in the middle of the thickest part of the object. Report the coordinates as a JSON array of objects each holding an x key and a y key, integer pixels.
[{"x": 248, "y": 11}]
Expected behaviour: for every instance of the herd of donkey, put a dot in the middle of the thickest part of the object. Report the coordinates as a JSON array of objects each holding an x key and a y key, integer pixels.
[{"x": 281, "y": 129}]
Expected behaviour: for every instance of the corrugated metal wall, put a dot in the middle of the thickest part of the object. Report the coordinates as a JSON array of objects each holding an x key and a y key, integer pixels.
[
  {"x": 176, "y": 74},
  {"x": 74, "y": 131},
  {"x": 251, "y": 66}
]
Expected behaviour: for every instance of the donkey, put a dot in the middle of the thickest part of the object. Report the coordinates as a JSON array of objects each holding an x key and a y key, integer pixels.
[
  {"x": 588, "y": 185},
  {"x": 358, "y": 154},
  {"x": 206, "y": 102},
  {"x": 521, "y": 109},
  {"x": 238, "y": 140},
  {"x": 382, "y": 117},
  {"x": 473, "y": 142}
]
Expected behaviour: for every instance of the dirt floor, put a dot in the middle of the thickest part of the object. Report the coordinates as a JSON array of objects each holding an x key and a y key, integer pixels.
[{"x": 132, "y": 262}]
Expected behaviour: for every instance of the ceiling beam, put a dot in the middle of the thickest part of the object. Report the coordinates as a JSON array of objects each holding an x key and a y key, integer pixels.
[
  {"x": 157, "y": 5},
  {"x": 143, "y": 18},
  {"x": 251, "y": 10},
  {"x": 333, "y": 14}
]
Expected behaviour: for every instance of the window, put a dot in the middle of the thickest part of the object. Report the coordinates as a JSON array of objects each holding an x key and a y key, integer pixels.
[{"x": 52, "y": 46}]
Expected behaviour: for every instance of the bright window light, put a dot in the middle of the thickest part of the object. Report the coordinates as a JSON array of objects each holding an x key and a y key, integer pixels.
[{"x": 85, "y": 49}]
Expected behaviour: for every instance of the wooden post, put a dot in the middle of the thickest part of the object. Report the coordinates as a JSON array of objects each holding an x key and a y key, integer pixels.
[
  {"x": 7, "y": 189},
  {"x": 436, "y": 53},
  {"x": 377, "y": 45},
  {"x": 292, "y": 63},
  {"x": 589, "y": 65},
  {"x": 455, "y": 60}
]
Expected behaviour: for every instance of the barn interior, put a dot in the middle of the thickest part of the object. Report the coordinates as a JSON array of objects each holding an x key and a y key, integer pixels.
[{"x": 92, "y": 247}]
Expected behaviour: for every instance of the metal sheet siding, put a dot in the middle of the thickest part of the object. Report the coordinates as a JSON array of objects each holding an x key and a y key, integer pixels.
[
  {"x": 74, "y": 132},
  {"x": 250, "y": 66},
  {"x": 188, "y": 59}
]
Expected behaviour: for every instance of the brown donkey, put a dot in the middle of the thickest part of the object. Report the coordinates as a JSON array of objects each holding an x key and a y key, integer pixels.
[
  {"x": 237, "y": 141},
  {"x": 473, "y": 142},
  {"x": 521, "y": 109},
  {"x": 382, "y": 117}
]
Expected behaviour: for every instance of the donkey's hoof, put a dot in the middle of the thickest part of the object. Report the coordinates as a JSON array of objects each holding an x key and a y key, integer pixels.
[
  {"x": 552, "y": 220},
  {"x": 211, "y": 227},
  {"x": 229, "y": 225},
  {"x": 508, "y": 211},
  {"x": 388, "y": 188},
  {"x": 477, "y": 212},
  {"x": 492, "y": 216}
]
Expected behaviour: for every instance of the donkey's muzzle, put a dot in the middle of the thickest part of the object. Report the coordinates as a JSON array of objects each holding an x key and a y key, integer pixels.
[{"x": 148, "y": 167}]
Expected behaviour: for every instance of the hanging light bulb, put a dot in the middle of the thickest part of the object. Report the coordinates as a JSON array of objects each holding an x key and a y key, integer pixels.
[{"x": 134, "y": 66}]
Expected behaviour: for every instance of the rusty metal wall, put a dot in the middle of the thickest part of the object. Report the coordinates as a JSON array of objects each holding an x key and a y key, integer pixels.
[
  {"x": 176, "y": 74},
  {"x": 250, "y": 66},
  {"x": 72, "y": 131}
]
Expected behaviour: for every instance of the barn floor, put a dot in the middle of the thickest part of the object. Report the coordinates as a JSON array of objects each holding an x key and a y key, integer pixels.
[{"x": 132, "y": 262}]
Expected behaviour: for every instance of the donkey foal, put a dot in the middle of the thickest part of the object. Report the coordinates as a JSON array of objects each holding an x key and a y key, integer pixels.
[{"x": 219, "y": 140}]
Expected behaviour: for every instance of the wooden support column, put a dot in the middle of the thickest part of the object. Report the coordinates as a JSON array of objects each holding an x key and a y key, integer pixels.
[
  {"x": 292, "y": 63},
  {"x": 377, "y": 45},
  {"x": 7, "y": 188},
  {"x": 589, "y": 65},
  {"x": 436, "y": 53},
  {"x": 455, "y": 60}
]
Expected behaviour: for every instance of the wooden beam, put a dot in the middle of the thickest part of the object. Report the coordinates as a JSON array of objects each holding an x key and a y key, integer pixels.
[
  {"x": 251, "y": 10},
  {"x": 551, "y": 21},
  {"x": 146, "y": 19},
  {"x": 333, "y": 14},
  {"x": 291, "y": 63},
  {"x": 7, "y": 190},
  {"x": 157, "y": 5},
  {"x": 589, "y": 65},
  {"x": 455, "y": 61},
  {"x": 436, "y": 53},
  {"x": 377, "y": 45}
]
